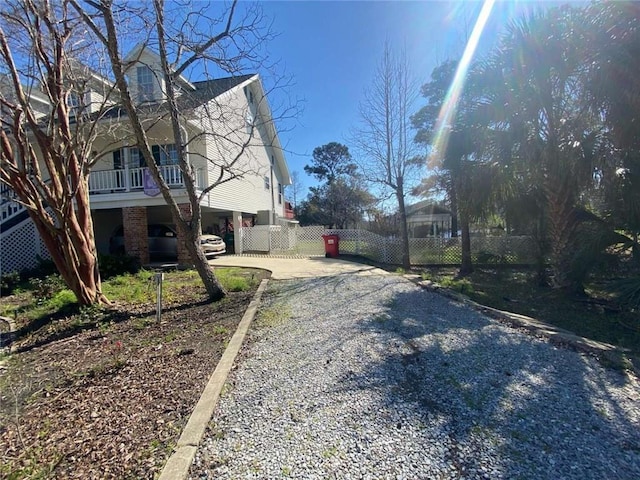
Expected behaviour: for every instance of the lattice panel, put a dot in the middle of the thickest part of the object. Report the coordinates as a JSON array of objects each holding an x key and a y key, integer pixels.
[
  {"x": 255, "y": 239},
  {"x": 308, "y": 241},
  {"x": 20, "y": 248},
  {"x": 287, "y": 238},
  {"x": 291, "y": 239},
  {"x": 436, "y": 251},
  {"x": 364, "y": 243}
]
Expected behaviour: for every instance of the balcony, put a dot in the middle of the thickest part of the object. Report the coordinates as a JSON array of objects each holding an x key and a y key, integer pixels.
[
  {"x": 137, "y": 179},
  {"x": 103, "y": 181}
]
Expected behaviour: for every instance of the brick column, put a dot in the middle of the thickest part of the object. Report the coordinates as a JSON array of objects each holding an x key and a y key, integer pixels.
[
  {"x": 183, "y": 253},
  {"x": 136, "y": 241}
]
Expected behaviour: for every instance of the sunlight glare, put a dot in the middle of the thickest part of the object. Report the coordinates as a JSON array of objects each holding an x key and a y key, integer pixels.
[{"x": 450, "y": 104}]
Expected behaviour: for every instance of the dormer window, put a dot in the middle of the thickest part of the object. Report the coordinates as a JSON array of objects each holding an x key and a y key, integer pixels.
[
  {"x": 145, "y": 83},
  {"x": 74, "y": 100}
]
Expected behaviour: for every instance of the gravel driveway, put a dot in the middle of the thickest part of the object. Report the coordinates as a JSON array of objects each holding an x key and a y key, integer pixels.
[{"x": 371, "y": 377}]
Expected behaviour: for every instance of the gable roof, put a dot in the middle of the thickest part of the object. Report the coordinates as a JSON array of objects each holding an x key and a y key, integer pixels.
[
  {"x": 218, "y": 86},
  {"x": 141, "y": 50},
  {"x": 206, "y": 90},
  {"x": 426, "y": 207}
]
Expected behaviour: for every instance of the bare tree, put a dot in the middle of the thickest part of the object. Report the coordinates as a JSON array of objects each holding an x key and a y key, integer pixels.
[
  {"x": 49, "y": 123},
  {"x": 188, "y": 37},
  {"x": 387, "y": 154},
  {"x": 296, "y": 187}
]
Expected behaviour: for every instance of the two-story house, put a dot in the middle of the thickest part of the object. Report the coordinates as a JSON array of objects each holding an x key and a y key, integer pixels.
[{"x": 227, "y": 127}]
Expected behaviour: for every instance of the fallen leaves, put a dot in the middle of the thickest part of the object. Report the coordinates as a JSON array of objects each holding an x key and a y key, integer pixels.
[{"x": 111, "y": 403}]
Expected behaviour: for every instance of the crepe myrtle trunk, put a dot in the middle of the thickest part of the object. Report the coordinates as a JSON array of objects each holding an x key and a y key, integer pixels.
[{"x": 74, "y": 256}]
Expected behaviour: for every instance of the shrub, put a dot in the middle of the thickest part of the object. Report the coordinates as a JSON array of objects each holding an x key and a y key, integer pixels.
[
  {"x": 114, "y": 265},
  {"x": 45, "y": 268},
  {"x": 45, "y": 288},
  {"x": 9, "y": 282},
  {"x": 627, "y": 292}
]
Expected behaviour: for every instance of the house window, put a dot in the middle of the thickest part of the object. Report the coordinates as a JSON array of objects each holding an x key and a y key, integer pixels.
[
  {"x": 74, "y": 100},
  {"x": 118, "y": 164},
  {"x": 145, "y": 84},
  {"x": 249, "y": 122},
  {"x": 267, "y": 183},
  {"x": 165, "y": 154},
  {"x": 136, "y": 160},
  {"x": 280, "y": 193}
]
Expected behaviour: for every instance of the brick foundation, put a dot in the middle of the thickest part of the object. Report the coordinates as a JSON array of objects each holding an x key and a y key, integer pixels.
[{"x": 136, "y": 242}]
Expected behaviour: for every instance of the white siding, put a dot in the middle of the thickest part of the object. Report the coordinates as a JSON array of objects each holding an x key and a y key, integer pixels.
[
  {"x": 153, "y": 62},
  {"x": 229, "y": 117}
]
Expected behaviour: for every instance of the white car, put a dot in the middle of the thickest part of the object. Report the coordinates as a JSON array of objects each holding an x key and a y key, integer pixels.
[{"x": 163, "y": 242}]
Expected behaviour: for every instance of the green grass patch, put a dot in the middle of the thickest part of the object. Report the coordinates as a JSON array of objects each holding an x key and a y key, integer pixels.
[
  {"x": 236, "y": 279},
  {"x": 47, "y": 297},
  {"x": 462, "y": 285},
  {"x": 274, "y": 315},
  {"x": 130, "y": 288}
]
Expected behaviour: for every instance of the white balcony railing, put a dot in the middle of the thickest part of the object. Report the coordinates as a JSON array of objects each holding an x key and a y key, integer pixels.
[
  {"x": 107, "y": 181},
  {"x": 9, "y": 210},
  {"x": 132, "y": 179}
]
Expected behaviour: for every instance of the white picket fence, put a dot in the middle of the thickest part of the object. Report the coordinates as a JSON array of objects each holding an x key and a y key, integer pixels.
[{"x": 293, "y": 240}]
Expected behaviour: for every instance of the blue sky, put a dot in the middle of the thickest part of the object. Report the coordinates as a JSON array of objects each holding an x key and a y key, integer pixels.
[{"x": 331, "y": 49}]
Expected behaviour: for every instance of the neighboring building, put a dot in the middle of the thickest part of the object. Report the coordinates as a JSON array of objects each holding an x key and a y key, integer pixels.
[
  {"x": 227, "y": 118},
  {"x": 424, "y": 219}
]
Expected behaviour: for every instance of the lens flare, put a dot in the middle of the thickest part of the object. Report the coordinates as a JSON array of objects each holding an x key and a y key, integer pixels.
[{"x": 450, "y": 104}]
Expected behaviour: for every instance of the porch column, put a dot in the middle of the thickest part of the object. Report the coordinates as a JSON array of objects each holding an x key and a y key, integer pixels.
[
  {"x": 136, "y": 241},
  {"x": 237, "y": 225},
  {"x": 183, "y": 254}
]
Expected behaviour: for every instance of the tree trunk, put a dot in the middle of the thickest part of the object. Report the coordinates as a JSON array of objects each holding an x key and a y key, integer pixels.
[
  {"x": 404, "y": 231},
  {"x": 215, "y": 290},
  {"x": 453, "y": 201},
  {"x": 562, "y": 236},
  {"x": 77, "y": 266},
  {"x": 466, "y": 266}
]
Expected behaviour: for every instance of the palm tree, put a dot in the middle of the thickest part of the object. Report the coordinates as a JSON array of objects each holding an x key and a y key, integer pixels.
[
  {"x": 537, "y": 100},
  {"x": 614, "y": 87}
]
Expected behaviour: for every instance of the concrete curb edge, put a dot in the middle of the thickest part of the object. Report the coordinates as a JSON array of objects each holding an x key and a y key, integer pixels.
[{"x": 178, "y": 464}]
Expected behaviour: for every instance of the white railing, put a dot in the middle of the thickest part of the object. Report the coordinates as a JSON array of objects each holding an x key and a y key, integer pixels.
[
  {"x": 126, "y": 180},
  {"x": 9, "y": 210},
  {"x": 107, "y": 180}
]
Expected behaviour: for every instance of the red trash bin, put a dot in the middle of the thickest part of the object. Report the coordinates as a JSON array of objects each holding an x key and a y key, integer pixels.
[{"x": 331, "y": 245}]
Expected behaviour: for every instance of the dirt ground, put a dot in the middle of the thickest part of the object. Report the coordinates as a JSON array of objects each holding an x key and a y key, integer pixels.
[{"x": 110, "y": 400}]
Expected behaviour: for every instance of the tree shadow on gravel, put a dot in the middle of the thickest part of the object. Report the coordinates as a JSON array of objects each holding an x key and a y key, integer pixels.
[{"x": 536, "y": 410}]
